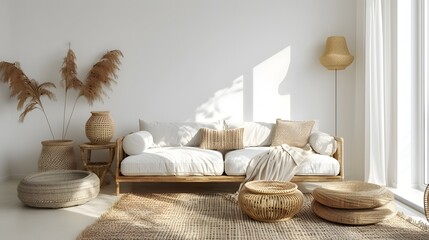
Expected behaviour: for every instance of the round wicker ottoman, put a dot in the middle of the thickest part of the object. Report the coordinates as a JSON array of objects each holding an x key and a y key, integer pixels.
[
  {"x": 270, "y": 201},
  {"x": 352, "y": 195},
  {"x": 353, "y": 203},
  {"x": 354, "y": 216},
  {"x": 58, "y": 189}
]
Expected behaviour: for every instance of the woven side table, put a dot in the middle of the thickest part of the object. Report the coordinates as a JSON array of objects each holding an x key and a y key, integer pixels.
[
  {"x": 270, "y": 201},
  {"x": 99, "y": 168}
]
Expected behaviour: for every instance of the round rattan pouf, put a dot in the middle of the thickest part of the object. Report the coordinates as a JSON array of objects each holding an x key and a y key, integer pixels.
[
  {"x": 352, "y": 195},
  {"x": 58, "y": 189},
  {"x": 270, "y": 201},
  {"x": 354, "y": 216}
]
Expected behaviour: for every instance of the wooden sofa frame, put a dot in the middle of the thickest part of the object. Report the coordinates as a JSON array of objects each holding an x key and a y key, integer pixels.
[{"x": 120, "y": 155}]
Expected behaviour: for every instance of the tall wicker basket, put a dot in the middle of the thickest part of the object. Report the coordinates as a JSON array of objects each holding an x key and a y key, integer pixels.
[
  {"x": 100, "y": 127},
  {"x": 57, "y": 155}
]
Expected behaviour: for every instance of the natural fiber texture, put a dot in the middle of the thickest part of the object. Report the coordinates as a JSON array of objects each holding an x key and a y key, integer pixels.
[
  {"x": 69, "y": 72},
  {"x": 352, "y": 195},
  {"x": 100, "y": 127},
  {"x": 99, "y": 168},
  {"x": 28, "y": 91},
  {"x": 354, "y": 216},
  {"x": 58, "y": 189},
  {"x": 336, "y": 55},
  {"x": 57, "y": 154},
  {"x": 270, "y": 201},
  {"x": 229, "y": 139},
  {"x": 101, "y": 76},
  {"x": 271, "y": 187},
  {"x": 292, "y": 133},
  {"x": 211, "y": 216}
]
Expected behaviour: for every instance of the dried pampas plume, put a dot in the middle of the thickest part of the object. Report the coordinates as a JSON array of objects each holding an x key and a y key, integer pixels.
[
  {"x": 69, "y": 72},
  {"x": 28, "y": 91},
  {"x": 102, "y": 74}
]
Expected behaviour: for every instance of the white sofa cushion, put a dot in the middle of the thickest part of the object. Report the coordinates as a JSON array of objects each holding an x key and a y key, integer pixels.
[
  {"x": 174, "y": 161},
  {"x": 137, "y": 142},
  {"x": 255, "y": 133},
  {"x": 315, "y": 164},
  {"x": 174, "y": 134},
  {"x": 323, "y": 143}
]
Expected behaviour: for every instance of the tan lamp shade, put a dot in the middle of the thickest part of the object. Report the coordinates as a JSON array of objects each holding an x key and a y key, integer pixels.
[{"x": 336, "y": 55}]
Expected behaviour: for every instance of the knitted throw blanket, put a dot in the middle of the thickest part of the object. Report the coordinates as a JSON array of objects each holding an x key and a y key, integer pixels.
[{"x": 280, "y": 163}]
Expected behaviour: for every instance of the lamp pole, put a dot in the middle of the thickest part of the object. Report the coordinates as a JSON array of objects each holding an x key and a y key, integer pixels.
[
  {"x": 336, "y": 102},
  {"x": 336, "y": 57}
]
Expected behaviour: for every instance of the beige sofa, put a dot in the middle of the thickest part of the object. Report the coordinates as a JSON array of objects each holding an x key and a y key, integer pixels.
[{"x": 173, "y": 155}]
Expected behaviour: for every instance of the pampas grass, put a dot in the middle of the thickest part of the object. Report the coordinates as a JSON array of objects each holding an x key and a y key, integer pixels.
[
  {"x": 101, "y": 76},
  {"x": 29, "y": 92}
]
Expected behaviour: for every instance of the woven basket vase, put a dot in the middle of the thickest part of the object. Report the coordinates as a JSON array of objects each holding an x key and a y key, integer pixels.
[
  {"x": 57, "y": 155},
  {"x": 100, "y": 127}
]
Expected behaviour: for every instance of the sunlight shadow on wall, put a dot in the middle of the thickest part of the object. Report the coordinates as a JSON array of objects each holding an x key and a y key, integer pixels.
[
  {"x": 268, "y": 104},
  {"x": 226, "y": 104}
]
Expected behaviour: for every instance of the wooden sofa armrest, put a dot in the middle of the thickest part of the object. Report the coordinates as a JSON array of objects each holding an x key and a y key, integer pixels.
[
  {"x": 339, "y": 154},
  {"x": 120, "y": 155}
]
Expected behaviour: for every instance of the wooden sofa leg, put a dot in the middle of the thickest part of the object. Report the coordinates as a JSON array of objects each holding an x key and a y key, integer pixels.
[{"x": 117, "y": 188}]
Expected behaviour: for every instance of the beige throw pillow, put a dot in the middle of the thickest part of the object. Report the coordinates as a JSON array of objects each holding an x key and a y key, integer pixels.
[
  {"x": 229, "y": 139},
  {"x": 292, "y": 133}
]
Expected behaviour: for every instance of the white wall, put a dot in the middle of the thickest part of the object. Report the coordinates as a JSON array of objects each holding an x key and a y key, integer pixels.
[
  {"x": 184, "y": 60},
  {"x": 5, "y": 107}
]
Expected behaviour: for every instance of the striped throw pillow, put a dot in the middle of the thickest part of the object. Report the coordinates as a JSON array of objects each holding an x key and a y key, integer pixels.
[{"x": 229, "y": 139}]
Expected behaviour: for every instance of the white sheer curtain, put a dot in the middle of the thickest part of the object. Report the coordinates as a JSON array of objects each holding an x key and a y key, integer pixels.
[{"x": 378, "y": 92}]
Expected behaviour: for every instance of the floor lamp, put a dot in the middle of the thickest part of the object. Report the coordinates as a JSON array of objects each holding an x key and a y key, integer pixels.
[{"x": 336, "y": 57}]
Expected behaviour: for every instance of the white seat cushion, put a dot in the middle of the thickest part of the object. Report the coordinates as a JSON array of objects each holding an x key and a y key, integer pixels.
[
  {"x": 315, "y": 164},
  {"x": 176, "y": 134},
  {"x": 174, "y": 161}
]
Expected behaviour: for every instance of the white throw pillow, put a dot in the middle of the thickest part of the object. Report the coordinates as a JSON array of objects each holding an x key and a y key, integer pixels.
[
  {"x": 137, "y": 143},
  {"x": 176, "y": 134},
  {"x": 256, "y": 134},
  {"x": 323, "y": 143}
]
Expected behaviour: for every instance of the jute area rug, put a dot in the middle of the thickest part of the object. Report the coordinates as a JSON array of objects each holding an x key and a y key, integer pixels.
[{"x": 213, "y": 216}]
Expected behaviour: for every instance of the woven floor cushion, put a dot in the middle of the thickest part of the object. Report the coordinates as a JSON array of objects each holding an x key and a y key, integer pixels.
[
  {"x": 58, "y": 189},
  {"x": 354, "y": 216},
  {"x": 352, "y": 195}
]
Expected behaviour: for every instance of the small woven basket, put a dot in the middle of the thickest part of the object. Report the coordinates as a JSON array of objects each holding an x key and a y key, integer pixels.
[
  {"x": 57, "y": 155},
  {"x": 270, "y": 201},
  {"x": 100, "y": 127}
]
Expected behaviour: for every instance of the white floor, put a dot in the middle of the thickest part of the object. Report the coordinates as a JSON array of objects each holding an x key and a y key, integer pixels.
[{"x": 20, "y": 222}]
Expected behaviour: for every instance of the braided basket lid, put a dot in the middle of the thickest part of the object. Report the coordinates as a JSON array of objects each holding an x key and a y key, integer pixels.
[{"x": 271, "y": 187}]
